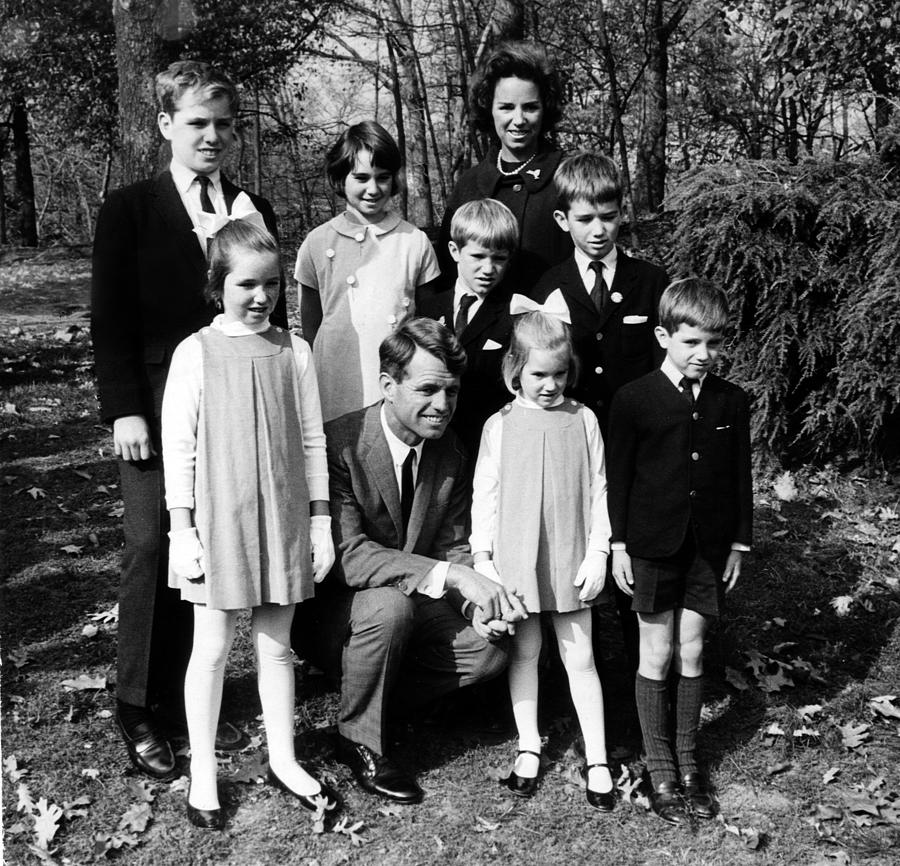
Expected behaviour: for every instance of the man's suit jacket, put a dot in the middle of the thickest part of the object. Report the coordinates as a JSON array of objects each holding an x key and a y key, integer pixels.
[
  {"x": 149, "y": 271},
  {"x": 616, "y": 345},
  {"x": 485, "y": 339},
  {"x": 372, "y": 548},
  {"x": 670, "y": 467}
]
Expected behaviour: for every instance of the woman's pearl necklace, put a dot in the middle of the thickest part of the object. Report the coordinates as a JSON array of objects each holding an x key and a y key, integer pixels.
[{"x": 516, "y": 170}]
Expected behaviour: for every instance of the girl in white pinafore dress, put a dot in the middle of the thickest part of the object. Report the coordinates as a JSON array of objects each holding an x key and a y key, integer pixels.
[
  {"x": 358, "y": 273},
  {"x": 540, "y": 527},
  {"x": 247, "y": 492}
]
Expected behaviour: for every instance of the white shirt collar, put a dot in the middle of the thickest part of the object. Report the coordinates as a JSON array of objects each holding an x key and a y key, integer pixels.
[
  {"x": 184, "y": 177},
  {"x": 238, "y": 329},
  {"x": 675, "y": 377},
  {"x": 399, "y": 449},
  {"x": 583, "y": 264},
  {"x": 522, "y": 400}
]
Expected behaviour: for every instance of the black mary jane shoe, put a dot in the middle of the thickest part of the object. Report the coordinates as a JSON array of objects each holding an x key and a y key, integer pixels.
[
  {"x": 603, "y": 801},
  {"x": 667, "y": 803},
  {"x": 698, "y": 796},
  {"x": 206, "y": 819},
  {"x": 307, "y": 801},
  {"x": 523, "y": 786}
]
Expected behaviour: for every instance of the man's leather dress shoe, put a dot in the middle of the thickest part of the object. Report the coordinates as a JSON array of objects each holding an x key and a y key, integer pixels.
[
  {"x": 378, "y": 774},
  {"x": 148, "y": 749}
]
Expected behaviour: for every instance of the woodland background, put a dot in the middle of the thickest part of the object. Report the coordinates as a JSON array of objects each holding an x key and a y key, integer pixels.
[{"x": 765, "y": 132}]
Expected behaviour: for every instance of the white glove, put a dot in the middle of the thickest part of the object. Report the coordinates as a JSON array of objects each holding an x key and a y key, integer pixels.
[
  {"x": 486, "y": 568},
  {"x": 591, "y": 575},
  {"x": 322, "y": 546},
  {"x": 185, "y": 554}
]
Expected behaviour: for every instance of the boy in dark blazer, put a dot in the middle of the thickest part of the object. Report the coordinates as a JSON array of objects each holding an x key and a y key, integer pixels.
[
  {"x": 612, "y": 297},
  {"x": 149, "y": 268},
  {"x": 681, "y": 510},
  {"x": 484, "y": 235}
]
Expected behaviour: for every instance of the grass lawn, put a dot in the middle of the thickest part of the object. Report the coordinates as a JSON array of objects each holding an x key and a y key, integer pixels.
[{"x": 801, "y": 738}]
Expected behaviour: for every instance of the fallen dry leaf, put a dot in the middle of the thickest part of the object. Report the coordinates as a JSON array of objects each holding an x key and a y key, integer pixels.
[
  {"x": 46, "y": 823},
  {"x": 809, "y": 711},
  {"x": 775, "y": 769},
  {"x": 884, "y": 705},
  {"x": 853, "y": 736},
  {"x": 785, "y": 487},
  {"x": 830, "y": 776},
  {"x": 85, "y": 683},
  {"x": 72, "y": 549},
  {"x": 135, "y": 820},
  {"x": 12, "y": 769},
  {"x": 25, "y": 802},
  {"x": 736, "y": 679}
]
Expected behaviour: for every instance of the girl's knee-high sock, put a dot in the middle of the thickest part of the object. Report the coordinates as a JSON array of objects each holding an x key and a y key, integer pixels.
[
  {"x": 203, "y": 683},
  {"x": 276, "y": 694},
  {"x": 652, "y": 697},
  {"x": 688, "y": 704},
  {"x": 523, "y": 691}
]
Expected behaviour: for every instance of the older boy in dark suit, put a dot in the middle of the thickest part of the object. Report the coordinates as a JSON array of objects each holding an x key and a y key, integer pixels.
[
  {"x": 149, "y": 267},
  {"x": 484, "y": 236},
  {"x": 681, "y": 509}
]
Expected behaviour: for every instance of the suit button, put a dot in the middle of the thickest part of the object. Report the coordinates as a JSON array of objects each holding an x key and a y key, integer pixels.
[
  {"x": 351, "y": 280},
  {"x": 695, "y": 456},
  {"x": 599, "y": 337},
  {"x": 695, "y": 416},
  {"x": 598, "y": 370},
  {"x": 517, "y": 187},
  {"x": 693, "y": 494}
]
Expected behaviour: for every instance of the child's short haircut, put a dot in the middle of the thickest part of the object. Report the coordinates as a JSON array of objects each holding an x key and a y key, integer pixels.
[
  {"x": 184, "y": 75},
  {"x": 235, "y": 238},
  {"x": 592, "y": 177},
  {"x": 537, "y": 331},
  {"x": 365, "y": 136},
  {"x": 487, "y": 222},
  {"x": 694, "y": 302}
]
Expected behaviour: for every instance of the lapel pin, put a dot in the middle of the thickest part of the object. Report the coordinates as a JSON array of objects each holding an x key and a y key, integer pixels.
[
  {"x": 534, "y": 172},
  {"x": 616, "y": 297}
]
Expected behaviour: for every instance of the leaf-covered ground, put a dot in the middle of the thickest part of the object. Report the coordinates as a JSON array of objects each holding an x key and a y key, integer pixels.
[{"x": 801, "y": 723}]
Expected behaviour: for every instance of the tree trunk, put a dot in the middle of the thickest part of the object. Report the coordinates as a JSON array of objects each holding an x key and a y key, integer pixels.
[
  {"x": 650, "y": 181},
  {"x": 421, "y": 209},
  {"x": 140, "y": 54},
  {"x": 23, "y": 181},
  {"x": 398, "y": 113}
]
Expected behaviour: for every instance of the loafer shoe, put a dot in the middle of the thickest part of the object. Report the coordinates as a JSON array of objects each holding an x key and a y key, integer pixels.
[
  {"x": 148, "y": 749},
  {"x": 378, "y": 774},
  {"x": 307, "y": 801},
  {"x": 522, "y": 786},
  {"x": 666, "y": 802},
  {"x": 698, "y": 796},
  {"x": 603, "y": 801}
]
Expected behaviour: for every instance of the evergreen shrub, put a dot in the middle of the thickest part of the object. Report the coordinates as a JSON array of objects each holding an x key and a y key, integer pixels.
[{"x": 810, "y": 257}]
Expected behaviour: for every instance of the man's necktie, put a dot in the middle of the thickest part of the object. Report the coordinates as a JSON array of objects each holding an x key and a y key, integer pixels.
[
  {"x": 205, "y": 201},
  {"x": 462, "y": 315},
  {"x": 598, "y": 293},
  {"x": 687, "y": 389},
  {"x": 407, "y": 487}
]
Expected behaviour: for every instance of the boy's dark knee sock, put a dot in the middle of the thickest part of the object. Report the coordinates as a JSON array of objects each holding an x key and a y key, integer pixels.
[
  {"x": 688, "y": 704},
  {"x": 652, "y": 697}
]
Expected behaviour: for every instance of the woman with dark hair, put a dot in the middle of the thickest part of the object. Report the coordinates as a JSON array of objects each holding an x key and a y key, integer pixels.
[{"x": 516, "y": 98}]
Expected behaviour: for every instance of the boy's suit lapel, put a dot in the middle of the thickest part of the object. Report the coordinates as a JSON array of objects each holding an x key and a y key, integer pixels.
[
  {"x": 169, "y": 205},
  {"x": 490, "y": 310},
  {"x": 575, "y": 293},
  {"x": 623, "y": 283},
  {"x": 230, "y": 192}
]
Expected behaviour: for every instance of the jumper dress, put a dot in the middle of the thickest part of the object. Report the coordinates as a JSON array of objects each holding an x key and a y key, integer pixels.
[
  {"x": 250, "y": 492},
  {"x": 544, "y": 506}
]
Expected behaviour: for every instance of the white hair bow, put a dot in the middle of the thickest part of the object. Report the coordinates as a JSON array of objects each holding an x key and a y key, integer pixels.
[
  {"x": 209, "y": 224},
  {"x": 555, "y": 306}
]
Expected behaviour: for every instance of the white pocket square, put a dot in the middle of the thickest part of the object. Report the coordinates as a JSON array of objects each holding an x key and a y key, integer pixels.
[
  {"x": 491, "y": 344},
  {"x": 634, "y": 320}
]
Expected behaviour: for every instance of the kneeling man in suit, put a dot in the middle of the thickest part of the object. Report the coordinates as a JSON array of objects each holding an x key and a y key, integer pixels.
[{"x": 403, "y": 616}]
